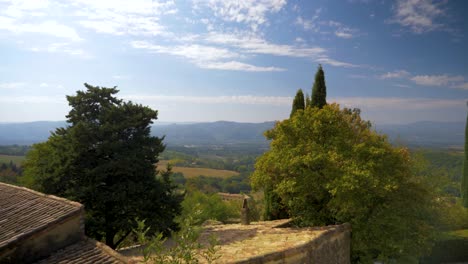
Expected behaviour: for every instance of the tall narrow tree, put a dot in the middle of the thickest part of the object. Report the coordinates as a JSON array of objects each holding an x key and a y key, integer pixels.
[
  {"x": 464, "y": 186},
  {"x": 308, "y": 102},
  {"x": 319, "y": 90},
  {"x": 298, "y": 102}
]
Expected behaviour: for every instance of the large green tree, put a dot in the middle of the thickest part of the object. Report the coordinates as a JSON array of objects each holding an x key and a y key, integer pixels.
[
  {"x": 319, "y": 90},
  {"x": 329, "y": 167},
  {"x": 464, "y": 184},
  {"x": 298, "y": 102},
  {"x": 105, "y": 159}
]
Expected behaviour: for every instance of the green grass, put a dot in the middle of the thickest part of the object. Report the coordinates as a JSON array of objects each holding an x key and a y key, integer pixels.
[
  {"x": 194, "y": 172},
  {"x": 7, "y": 158}
]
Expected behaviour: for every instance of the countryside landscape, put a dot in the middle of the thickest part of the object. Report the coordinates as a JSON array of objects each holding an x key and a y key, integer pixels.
[{"x": 270, "y": 131}]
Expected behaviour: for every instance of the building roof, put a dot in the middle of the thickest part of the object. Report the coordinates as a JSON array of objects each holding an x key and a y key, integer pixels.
[
  {"x": 85, "y": 251},
  {"x": 24, "y": 212}
]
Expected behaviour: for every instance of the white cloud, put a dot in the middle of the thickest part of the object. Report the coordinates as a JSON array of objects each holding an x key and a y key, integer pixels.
[
  {"x": 193, "y": 52},
  {"x": 121, "y": 17},
  {"x": 336, "y": 63},
  {"x": 205, "y": 57},
  {"x": 418, "y": 15},
  {"x": 237, "y": 66},
  {"x": 437, "y": 80},
  {"x": 395, "y": 75},
  {"x": 50, "y": 27},
  {"x": 343, "y": 34},
  {"x": 62, "y": 47},
  {"x": 249, "y": 12},
  {"x": 240, "y": 99},
  {"x": 341, "y": 30},
  {"x": 122, "y": 77},
  {"x": 306, "y": 24},
  {"x": 384, "y": 103},
  {"x": 253, "y": 44},
  {"x": 43, "y": 85},
  {"x": 351, "y": 102},
  {"x": 12, "y": 85}
]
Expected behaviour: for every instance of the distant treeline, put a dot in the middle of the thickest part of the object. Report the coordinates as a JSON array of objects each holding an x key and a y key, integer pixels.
[{"x": 14, "y": 150}]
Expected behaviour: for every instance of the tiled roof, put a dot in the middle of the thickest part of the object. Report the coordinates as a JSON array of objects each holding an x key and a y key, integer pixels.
[
  {"x": 24, "y": 212},
  {"x": 85, "y": 251}
]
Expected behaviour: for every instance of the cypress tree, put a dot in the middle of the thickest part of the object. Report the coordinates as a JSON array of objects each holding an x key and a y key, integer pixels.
[
  {"x": 308, "y": 102},
  {"x": 298, "y": 102},
  {"x": 319, "y": 90},
  {"x": 464, "y": 185}
]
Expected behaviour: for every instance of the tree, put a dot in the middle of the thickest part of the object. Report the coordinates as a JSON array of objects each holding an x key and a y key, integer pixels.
[
  {"x": 298, "y": 103},
  {"x": 329, "y": 167},
  {"x": 105, "y": 159},
  {"x": 308, "y": 101},
  {"x": 464, "y": 185},
  {"x": 319, "y": 90}
]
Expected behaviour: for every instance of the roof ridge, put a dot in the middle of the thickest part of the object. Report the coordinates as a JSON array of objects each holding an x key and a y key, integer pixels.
[{"x": 49, "y": 196}]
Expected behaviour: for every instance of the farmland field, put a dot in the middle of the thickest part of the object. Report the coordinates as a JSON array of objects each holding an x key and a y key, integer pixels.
[
  {"x": 7, "y": 158},
  {"x": 194, "y": 172}
]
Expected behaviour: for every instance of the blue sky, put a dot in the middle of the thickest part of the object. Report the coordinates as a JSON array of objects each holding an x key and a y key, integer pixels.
[{"x": 208, "y": 60}]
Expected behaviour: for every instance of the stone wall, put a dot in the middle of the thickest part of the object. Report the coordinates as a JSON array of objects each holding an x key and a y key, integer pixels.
[{"x": 331, "y": 247}]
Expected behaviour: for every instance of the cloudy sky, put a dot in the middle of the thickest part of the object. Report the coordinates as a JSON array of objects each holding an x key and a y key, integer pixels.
[{"x": 205, "y": 60}]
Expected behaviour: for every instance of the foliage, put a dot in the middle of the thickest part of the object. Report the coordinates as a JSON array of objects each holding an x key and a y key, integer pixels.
[
  {"x": 211, "y": 207},
  {"x": 319, "y": 90},
  {"x": 14, "y": 150},
  {"x": 234, "y": 184},
  {"x": 464, "y": 184},
  {"x": 329, "y": 167},
  {"x": 298, "y": 102},
  {"x": 187, "y": 248},
  {"x": 9, "y": 172},
  {"x": 443, "y": 166},
  {"x": 105, "y": 160}
]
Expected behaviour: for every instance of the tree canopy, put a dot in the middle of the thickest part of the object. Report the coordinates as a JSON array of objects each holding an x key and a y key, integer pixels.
[
  {"x": 319, "y": 89},
  {"x": 105, "y": 159},
  {"x": 329, "y": 167},
  {"x": 298, "y": 102}
]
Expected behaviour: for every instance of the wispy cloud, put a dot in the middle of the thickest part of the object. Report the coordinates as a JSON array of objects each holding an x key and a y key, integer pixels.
[
  {"x": 395, "y": 75},
  {"x": 438, "y": 80},
  {"x": 418, "y": 15},
  {"x": 253, "y": 13},
  {"x": 336, "y": 63},
  {"x": 398, "y": 103},
  {"x": 62, "y": 47},
  {"x": 50, "y": 27},
  {"x": 12, "y": 85},
  {"x": 250, "y": 43},
  {"x": 240, "y": 99},
  {"x": 206, "y": 57}
]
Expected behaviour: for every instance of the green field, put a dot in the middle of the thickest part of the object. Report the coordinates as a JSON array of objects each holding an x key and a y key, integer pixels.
[
  {"x": 7, "y": 158},
  {"x": 194, "y": 172}
]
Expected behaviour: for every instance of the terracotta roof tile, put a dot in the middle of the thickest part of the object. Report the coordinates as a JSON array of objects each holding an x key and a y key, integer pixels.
[{"x": 24, "y": 212}]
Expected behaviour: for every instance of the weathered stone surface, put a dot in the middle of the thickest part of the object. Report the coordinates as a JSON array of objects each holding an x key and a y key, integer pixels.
[{"x": 275, "y": 242}]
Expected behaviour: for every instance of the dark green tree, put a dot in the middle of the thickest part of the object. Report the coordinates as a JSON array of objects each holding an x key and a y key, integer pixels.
[
  {"x": 105, "y": 159},
  {"x": 319, "y": 90},
  {"x": 298, "y": 102},
  {"x": 464, "y": 184},
  {"x": 308, "y": 101}
]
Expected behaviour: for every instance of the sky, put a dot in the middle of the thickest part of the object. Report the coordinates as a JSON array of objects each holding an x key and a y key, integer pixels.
[{"x": 399, "y": 61}]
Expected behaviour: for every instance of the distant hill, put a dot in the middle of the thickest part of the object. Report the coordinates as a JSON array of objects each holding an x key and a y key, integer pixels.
[
  {"x": 221, "y": 132},
  {"x": 424, "y": 134}
]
